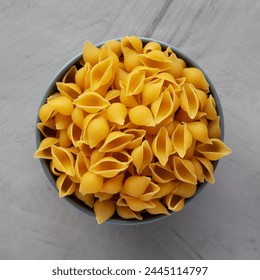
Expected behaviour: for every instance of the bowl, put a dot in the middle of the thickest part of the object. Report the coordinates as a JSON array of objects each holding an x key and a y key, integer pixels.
[{"x": 147, "y": 218}]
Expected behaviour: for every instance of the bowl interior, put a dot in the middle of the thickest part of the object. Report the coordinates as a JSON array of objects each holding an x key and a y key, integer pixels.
[{"x": 147, "y": 218}]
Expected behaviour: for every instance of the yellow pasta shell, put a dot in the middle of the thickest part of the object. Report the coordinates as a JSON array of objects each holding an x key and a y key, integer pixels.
[
  {"x": 199, "y": 131},
  {"x": 126, "y": 213},
  {"x": 189, "y": 101},
  {"x": 133, "y": 43},
  {"x": 65, "y": 185},
  {"x": 214, "y": 150},
  {"x": 63, "y": 160},
  {"x": 108, "y": 167},
  {"x": 174, "y": 202},
  {"x": 155, "y": 59},
  {"x": 158, "y": 209},
  {"x": 141, "y": 115},
  {"x": 61, "y": 105},
  {"x": 46, "y": 112},
  {"x": 90, "y": 183},
  {"x": 91, "y": 102},
  {"x": 136, "y": 204},
  {"x": 160, "y": 173},
  {"x": 90, "y": 53},
  {"x": 185, "y": 190},
  {"x": 135, "y": 186},
  {"x": 214, "y": 129},
  {"x": 69, "y": 90},
  {"x": 196, "y": 77},
  {"x": 184, "y": 170},
  {"x": 151, "y": 91},
  {"x": 104, "y": 210},
  {"x": 113, "y": 185},
  {"x": 44, "y": 149},
  {"x": 116, "y": 113}
]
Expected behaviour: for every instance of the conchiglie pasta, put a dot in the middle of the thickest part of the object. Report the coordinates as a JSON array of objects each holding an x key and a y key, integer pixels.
[{"x": 131, "y": 130}]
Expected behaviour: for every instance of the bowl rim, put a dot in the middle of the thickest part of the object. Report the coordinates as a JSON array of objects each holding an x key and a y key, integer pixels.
[{"x": 75, "y": 201}]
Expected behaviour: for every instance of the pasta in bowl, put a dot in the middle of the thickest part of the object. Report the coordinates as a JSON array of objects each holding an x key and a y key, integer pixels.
[{"x": 130, "y": 130}]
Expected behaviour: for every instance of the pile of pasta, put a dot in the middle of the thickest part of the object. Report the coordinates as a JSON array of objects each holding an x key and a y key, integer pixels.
[{"x": 131, "y": 130}]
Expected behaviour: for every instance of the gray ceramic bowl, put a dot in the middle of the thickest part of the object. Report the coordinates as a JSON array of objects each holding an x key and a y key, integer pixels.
[{"x": 147, "y": 218}]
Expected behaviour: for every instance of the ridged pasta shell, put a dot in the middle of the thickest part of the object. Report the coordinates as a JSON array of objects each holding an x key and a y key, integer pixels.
[
  {"x": 158, "y": 209},
  {"x": 162, "y": 146},
  {"x": 113, "y": 185},
  {"x": 90, "y": 183},
  {"x": 202, "y": 96},
  {"x": 176, "y": 69},
  {"x": 161, "y": 174},
  {"x": 61, "y": 105},
  {"x": 214, "y": 129},
  {"x": 101, "y": 74},
  {"x": 214, "y": 150},
  {"x": 82, "y": 164},
  {"x": 64, "y": 139},
  {"x": 46, "y": 112},
  {"x": 126, "y": 213},
  {"x": 104, "y": 210},
  {"x": 166, "y": 188},
  {"x": 82, "y": 78},
  {"x": 184, "y": 170},
  {"x": 113, "y": 96},
  {"x": 135, "y": 186},
  {"x": 207, "y": 169},
  {"x": 74, "y": 133},
  {"x": 142, "y": 156},
  {"x": 48, "y": 128},
  {"x": 69, "y": 90},
  {"x": 116, "y": 113},
  {"x": 88, "y": 199},
  {"x": 151, "y": 91},
  {"x": 115, "y": 46},
  {"x": 189, "y": 101},
  {"x": 141, "y": 115},
  {"x": 106, "y": 52},
  {"x": 162, "y": 107},
  {"x": 138, "y": 139},
  {"x": 181, "y": 139},
  {"x": 133, "y": 83},
  {"x": 77, "y": 117},
  {"x": 128, "y": 100},
  {"x": 133, "y": 43},
  {"x": 137, "y": 205},
  {"x": 44, "y": 149},
  {"x": 90, "y": 53},
  {"x": 116, "y": 141},
  {"x": 185, "y": 190},
  {"x": 155, "y": 59},
  {"x": 69, "y": 77},
  {"x": 62, "y": 121},
  {"x": 152, "y": 46},
  {"x": 91, "y": 102},
  {"x": 108, "y": 167},
  {"x": 119, "y": 76},
  {"x": 63, "y": 160},
  {"x": 174, "y": 202},
  {"x": 130, "y": 59},
  {"x": 96, "y": 130},
  {"x": 65, "y": 186},
  {"x": 199, "y": 131},
  {"x": 149, "y": 192},
  {"x": 196, "y": 77},
  {"x": 210, "y": 108}
]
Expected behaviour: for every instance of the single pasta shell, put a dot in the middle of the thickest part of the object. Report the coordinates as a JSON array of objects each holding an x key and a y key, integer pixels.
[
  {"x": 69, "y": 90},
  {"x": 174, "y": 202},
  {"x": 115, "y": 46},
  {"x": 113, "y": 185},
  {"x": 166, "y": 188},
  {"x": 65, "y": 185},
  {"x": 108, "y": 167},
  {"x": 91, "y": 102},
  {"x": 141, "y": 115},
  {"x": 46, "y": 112},
  {"x": 185, "y": 190},
  {"x": 104, "y": 210},
  {"x": 184, "y": 170},
  {"x": 96, "y": 131},
  {"x": 196, "y": 77},
  {"x": 214, "y": 150},
  {"x": 116, "y": 113},
  {"x": 214, "y": 129},
  {"x": 199, "y": 131},
  {"x": 135, "y": 186},
  {"x": 69, "y": 77},
  {"x": 88, "y": 199},
  {"x": 90, "y": 53},
  {"x": 133, "y": 43},
  {"x": 158, "y": 209},
  {"x": 61, "y": 105},
  {"x": 136, "y": 204},
  {"x": 116, "y": 141},
  {"x": 90, "y": 183},
  {"x": 161, "y": 174},
  {"x": 44, "y": 149},
  {"x": 125, "y": 212},
  {"x": 155, "y": 59}
]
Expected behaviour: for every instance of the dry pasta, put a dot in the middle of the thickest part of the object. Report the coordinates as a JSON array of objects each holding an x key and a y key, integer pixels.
[{"x": 131, "y": 130}]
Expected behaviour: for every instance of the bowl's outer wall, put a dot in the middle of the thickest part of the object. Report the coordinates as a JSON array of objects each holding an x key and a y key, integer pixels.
[{"x": 52, "y": 89}]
